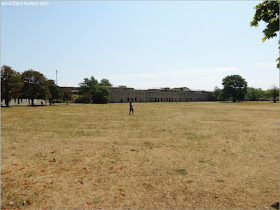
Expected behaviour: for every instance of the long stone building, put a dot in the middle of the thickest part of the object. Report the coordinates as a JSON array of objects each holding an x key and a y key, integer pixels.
[{"x": 123, "y": 94}]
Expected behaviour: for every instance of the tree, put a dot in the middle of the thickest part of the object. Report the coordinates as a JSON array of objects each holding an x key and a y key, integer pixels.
[
  {"x": 218, "y": 94},
  {"x": 254, "y": 94},
  {"x": 267, "y": 11},
  {"x": 35, "y": 85},
  {"x": 105, "y": 82},
  {"x": 101, "y": 95},
  {"x": 182, "y": 88},
  {"x": 273, "y": 92},
  {"x": 10, "y": 84},
  {"x": 85, "y": 98},
  {"x": 88, "y": 85},
  {"x": 98, "y": 91},
  {"x": 235, "y": 87},
  {"x": 67, "y": 94},
  {"x": 54, "y": 91}
]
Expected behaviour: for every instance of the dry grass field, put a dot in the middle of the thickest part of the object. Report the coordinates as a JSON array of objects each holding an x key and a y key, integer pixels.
[{"x": 167, "y": 156}]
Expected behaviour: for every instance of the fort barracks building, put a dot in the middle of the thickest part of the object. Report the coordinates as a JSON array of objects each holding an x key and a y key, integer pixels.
[{"x": 123, "y": 94}]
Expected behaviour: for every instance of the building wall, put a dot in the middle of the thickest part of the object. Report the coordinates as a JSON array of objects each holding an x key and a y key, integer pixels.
[
  {"x": 124, "y": 95},
  {"x": 121, "y": 95}
]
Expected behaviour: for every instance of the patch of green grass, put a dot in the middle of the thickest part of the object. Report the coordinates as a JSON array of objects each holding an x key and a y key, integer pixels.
[
  {"x": 195, "y": 136},
  {"x": 150, "y": 145},
  {"x": 134, "y": 150},
  {"x": 31, "y": 173},
  {"x": 96, "y": 201},
  {"x": 181, "y": 171}
]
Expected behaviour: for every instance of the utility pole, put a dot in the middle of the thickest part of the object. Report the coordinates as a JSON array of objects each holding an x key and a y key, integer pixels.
[{"x": 56, "y": 77}]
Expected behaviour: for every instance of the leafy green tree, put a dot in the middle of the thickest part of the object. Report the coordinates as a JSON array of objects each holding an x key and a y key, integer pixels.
[
  {"x": 218, "y": 94},
  {"x": 105, "y": 82},
  {"x": 101, "y": 95},
  {"x": 254, "y": 94},
  {"x": 267, "y": 11},
  {"x": 35, "y": 85},
  {"x": 88, "y": 85},
  {"x": 85, "y": 98},
  {"x": 235, "y": 87},
  {"x": 273, "y": 93},
  {"x": 98, "y": 91},
  {"x": 67, "y": 94},
  {"x": 261, "y": 95},
  {"x": 10, "y": 84},
  {"x": 54, "y": 91},
  {"x": 182, "y": 88}
]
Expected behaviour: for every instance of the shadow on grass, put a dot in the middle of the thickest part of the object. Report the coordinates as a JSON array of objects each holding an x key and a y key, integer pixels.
[
  {"x": 36, "y": 105},
  {"x": 22, "y": 106},
  {"x": 275, "y": 205}
]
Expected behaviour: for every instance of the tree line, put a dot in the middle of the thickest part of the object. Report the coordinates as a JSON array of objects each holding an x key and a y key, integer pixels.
[
  {"x": 235, "y": 89},
  {"x": 33, "y": 85}
]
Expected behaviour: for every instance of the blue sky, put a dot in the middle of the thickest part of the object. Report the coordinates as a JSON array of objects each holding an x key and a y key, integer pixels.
[{"x": 140, "y": 44}]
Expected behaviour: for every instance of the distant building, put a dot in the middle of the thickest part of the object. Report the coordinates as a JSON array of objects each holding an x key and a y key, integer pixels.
[
  {"x": 75, "y": 90},
  {"x": 123, "y": 94}
]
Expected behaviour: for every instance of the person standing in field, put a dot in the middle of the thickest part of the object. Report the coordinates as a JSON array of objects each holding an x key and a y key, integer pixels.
[{"x": 131, "y": 108}]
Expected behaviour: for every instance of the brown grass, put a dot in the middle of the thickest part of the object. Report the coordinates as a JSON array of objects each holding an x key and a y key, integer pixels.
[{"x": 166, "y": 156}]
